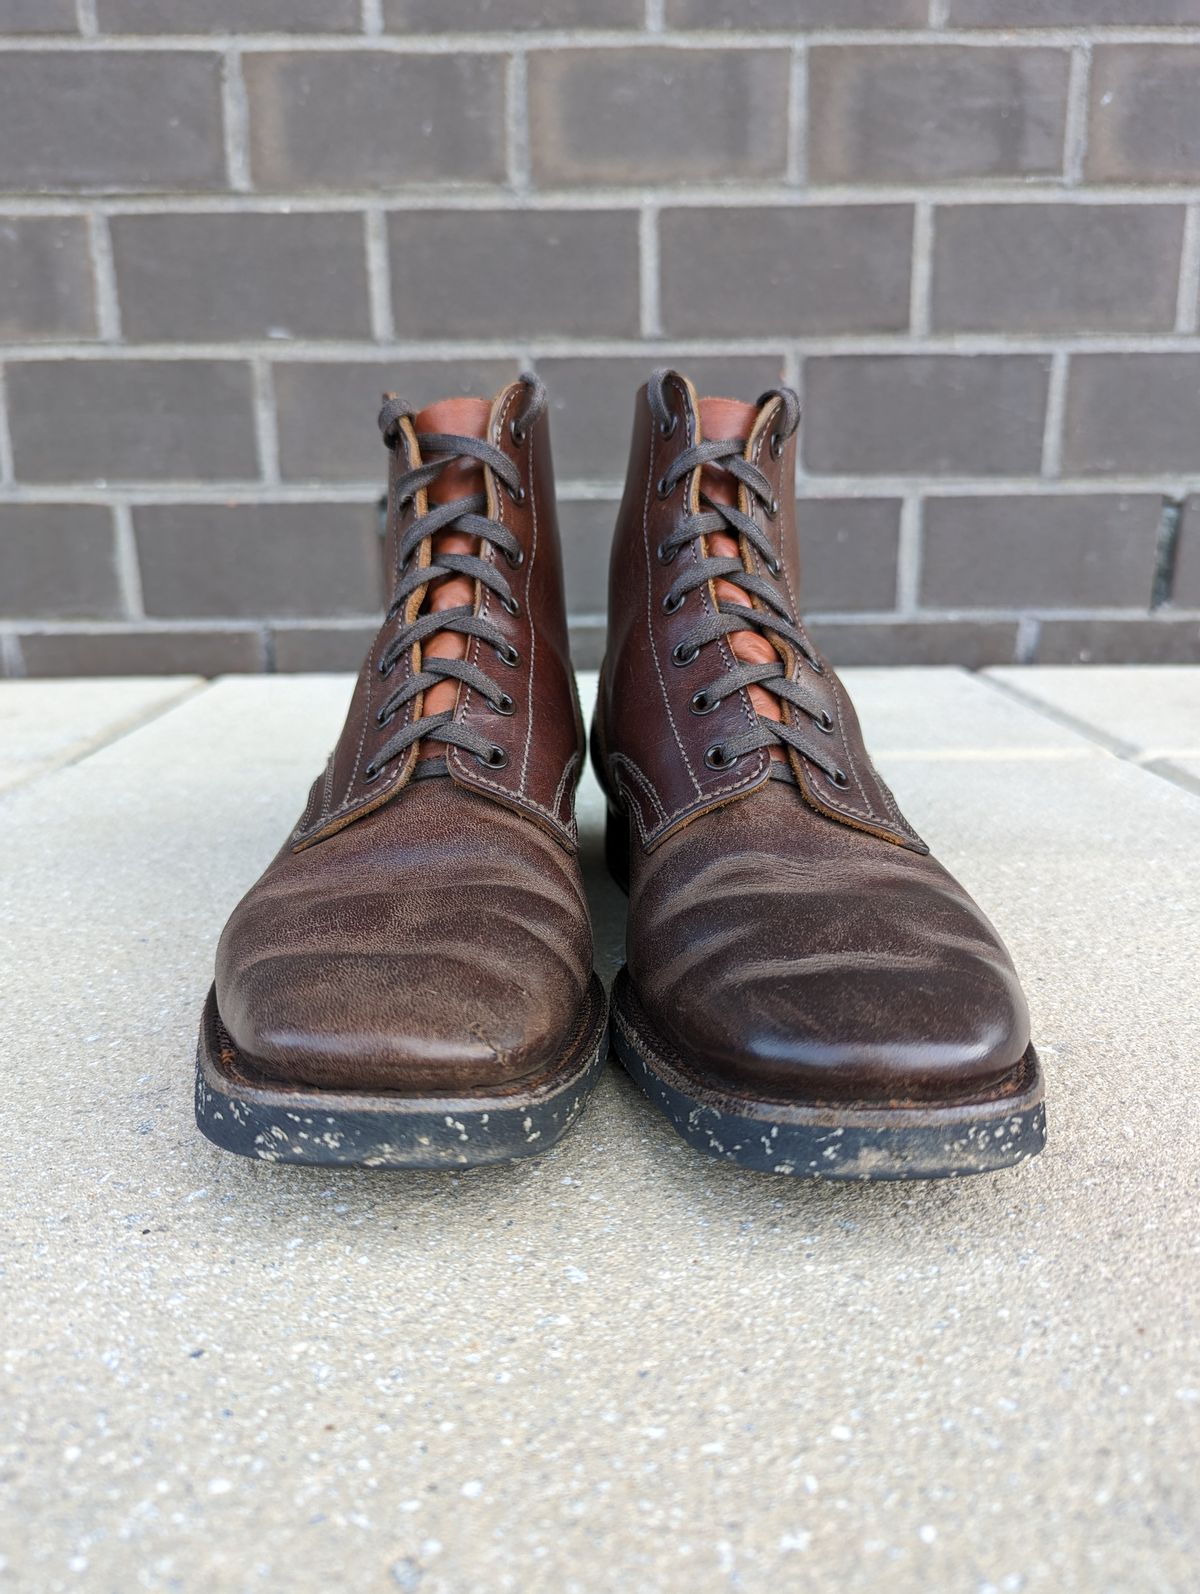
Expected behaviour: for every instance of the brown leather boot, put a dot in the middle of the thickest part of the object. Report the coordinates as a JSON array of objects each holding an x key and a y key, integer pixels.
[
  {"x": 410, "y": 982},
  {"x": 807, "y": 990}
]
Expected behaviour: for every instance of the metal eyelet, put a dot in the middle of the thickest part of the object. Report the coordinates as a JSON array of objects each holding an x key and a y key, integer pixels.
[
  {"x": 717, "y": 758},
  {"x": 672, "y": 603},
  {"x": 681, "y": 654},
  {"x": 383, "y": 718},
  {"x": 509, "y": 655},
  {"x": 372, "y": 772},
  {"x": 516, "y": 432},
  {"x": 386, "y": 667},
  {"x": 840, "y": 779},
  {"x": 666, "y": 556},
  {"x": 825, "y": 722},
  {"x": 505, "y": 704},
  {"x": 773, "y": 565},
  {"x": 775, "y": 445},
  {"x": 772, "y": 509},
  {"x": 703, "y": 704},
  {"x": 510, "y": 605},
  {"x": 518, "y": 494},
  {"x": 816, "y": 666},
  {"x": 495, "y": 758},
  {"x": 663, "y": 489},
  {"x": 667, "y": 429},
  {"x": 516, "y": 560}
]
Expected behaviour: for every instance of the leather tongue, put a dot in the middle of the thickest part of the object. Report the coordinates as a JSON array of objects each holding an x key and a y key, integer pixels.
[
  {"x": 721, "y": 419},
  {"x": 462, "y": 478}
]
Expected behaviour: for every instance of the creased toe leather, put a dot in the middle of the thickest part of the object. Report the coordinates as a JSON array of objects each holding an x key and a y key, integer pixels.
[
  {"x": 786, "y": 954},
  {"x": 442, "y": 943}
]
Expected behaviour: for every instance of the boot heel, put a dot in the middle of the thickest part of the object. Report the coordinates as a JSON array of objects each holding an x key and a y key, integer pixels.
[{"x": 616, "y": 848}]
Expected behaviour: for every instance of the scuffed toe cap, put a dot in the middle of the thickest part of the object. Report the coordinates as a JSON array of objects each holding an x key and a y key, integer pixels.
[
  {"x": 844, "y": 969},
  {"x": 414, "y": 951}
]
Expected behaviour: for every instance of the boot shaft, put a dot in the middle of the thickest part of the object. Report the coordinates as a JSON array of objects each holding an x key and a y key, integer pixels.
[{"x": 670, "y": 739}]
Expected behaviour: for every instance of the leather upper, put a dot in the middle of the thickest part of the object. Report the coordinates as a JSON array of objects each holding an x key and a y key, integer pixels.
[
  {"x": 432, "y": 934},
  {"x": 792, "y": 937},
  {"x": 653, "y": 746}
]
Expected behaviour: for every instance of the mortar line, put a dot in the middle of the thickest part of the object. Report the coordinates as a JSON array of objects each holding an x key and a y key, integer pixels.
[
  {"x": 909, "y": 548},
  {"x": 284, "y": 491},
  {"x": 649, "y": 276},
  {"x": 7, "y": 470},
  {"x": 1075, "y": 130},
  {"x": 266, "y": 422},
  {"x": 12, "y": 662},
  {"x": 516, "y": 122},
  {"x": 1056, "y": 401},
  {"x": 379, "y": 275},
  {"x": 1029, "y": 636},
  {"x": 1187, "y": 302},
  {"x": 503, "y": 41},
  {"x": 104, "y": 278},
  {"x": 235, "y": 117},
  {"x": 634, "y": 346},
  {"x": 921, "y": 270},
  {"x": 796, "y": 170},
  {"x": 129, "y": 572},
  {"x": 430, "y": 195}
]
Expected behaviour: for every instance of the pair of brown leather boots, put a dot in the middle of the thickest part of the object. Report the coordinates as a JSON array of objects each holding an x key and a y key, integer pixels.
[{"x": 410, "y": 983}]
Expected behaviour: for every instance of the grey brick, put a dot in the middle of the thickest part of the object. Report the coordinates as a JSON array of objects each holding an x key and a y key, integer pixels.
[
  {"x": 364, "y": 119},
  {"x": 837, "y": 268},
  {"x": 657, "y": 115},
  {"x": 974, "y": 644},
  {"x": 514, "y": 273},
  {"x": 115, "y": 121},
  {"x": 587, "y": 528},
  {"x": 38, "y": 16},
  {"x": 45, "y": 278},
  {"x": 229, "y": 276},
  {"x": 913, "y": 415},
  {"x": 229, "y": 16},
  {"x": 131, "y": 420},
  {"x": 206, "y": 561},
  {"x": 592, "y": 403},
  {"x": 1132, "y": 414},
  {"x": 787, "y": 14},
  {"x": 1039, "y": 552},
  {"x": 1056, "y": 268},
  {"x": 1186, "y": 592},
  {"x": 142, "y": 651},
  {"x": 848, "y": 552},
  {"x": 501, "y": 16},
  {"x": 889, "y": 113},
  {"x": 327, "y": 430},
  {"x": 58, "y": 560},
  {"x": 1161, "y": 640},
  {"x": 1068, "y": 13},
  {"x": 1144, "y": 123},
  {"x": 301, "y": 648}
]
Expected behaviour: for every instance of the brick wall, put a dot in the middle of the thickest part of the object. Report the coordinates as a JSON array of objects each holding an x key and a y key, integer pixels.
[{"x": 967, "y": 230}]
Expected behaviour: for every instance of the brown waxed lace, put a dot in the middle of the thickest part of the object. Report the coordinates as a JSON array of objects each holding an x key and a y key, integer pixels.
[
  {"x": 467, "y": 515},
  {"x": 772, "y": 619}
]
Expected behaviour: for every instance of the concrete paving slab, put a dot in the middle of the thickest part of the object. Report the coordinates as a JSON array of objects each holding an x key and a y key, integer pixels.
[
  {"x": 621, "y": 1366},
  {"x": 44, "y": 724},
  {"x": 1147, "y": 711}
]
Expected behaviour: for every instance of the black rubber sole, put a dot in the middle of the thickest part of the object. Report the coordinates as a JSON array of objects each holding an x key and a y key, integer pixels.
[
  {"x": 241, "y": 1111},
  {"x": 833, "y": 1141}
]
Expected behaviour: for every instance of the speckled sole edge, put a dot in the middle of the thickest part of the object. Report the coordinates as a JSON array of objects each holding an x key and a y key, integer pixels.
[
  {"x": 832, "y": 1142},
  {"x": 330, "y": 1128}
]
